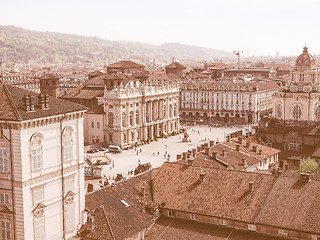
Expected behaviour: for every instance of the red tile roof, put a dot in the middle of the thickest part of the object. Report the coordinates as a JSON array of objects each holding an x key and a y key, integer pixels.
[{"x": 175, "y": 65}]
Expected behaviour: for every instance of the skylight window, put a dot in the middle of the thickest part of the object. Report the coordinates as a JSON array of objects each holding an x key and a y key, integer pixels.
[{"x": 125, "y": 203}]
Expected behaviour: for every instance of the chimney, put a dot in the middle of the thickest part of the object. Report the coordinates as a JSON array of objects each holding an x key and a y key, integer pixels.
[
  {"x": 206, "y": 145},
  {"x": 217, "y": 142},
  {"x": 184, "y": 156},
  {"x": 179, "y": 156},
  {"x": 224, "y": 152},
  {"x": 250, "y": 187},
  {"x": 211, "y": 143},
  {"x": 90, "y": 222},
  {"x": 46, "y": 100},
  {"x": 26, "y": 104},
  {"x": 198, "y": 149},
  {"x": 240, "y": 140},
  {"x": 143, "y": 189},
  {"x": 305, "y": 177},
  {"x": 202, "y": 176},
  {"x": 254, "y": 148},
  {"x": 190, "y": 162},
  {"x": 90, "y": 187},
  {"x": 206, "y": 150},
  {"x": 194, "y": 151},
  {"x": 41, "y": 101},
  {"x": 260, "y": 151},
  {"x": 31, "y": 101},
  {"x": 248, "y": 144},
  {"x": 228, "y": 138},
  {"x": 214, "y": 155},
  {"x": 238, "y": 147},
  {"x": 244, "y": 162}
]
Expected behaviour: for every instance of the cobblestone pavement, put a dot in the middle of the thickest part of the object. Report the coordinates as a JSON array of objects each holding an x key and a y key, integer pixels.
[{"x": 158, "y": 152}]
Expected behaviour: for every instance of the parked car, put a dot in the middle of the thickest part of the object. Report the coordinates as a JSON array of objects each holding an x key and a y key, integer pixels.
[
  {"x": 101, "y": 148},
  {"x": 95, "y": 149},
  {"x": 115, "y": 149},
  {"x": 91, "y": 151}
]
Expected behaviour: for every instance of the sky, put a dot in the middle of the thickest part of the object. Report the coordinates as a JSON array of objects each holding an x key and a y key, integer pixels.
[{"x": 253, "y": 26}]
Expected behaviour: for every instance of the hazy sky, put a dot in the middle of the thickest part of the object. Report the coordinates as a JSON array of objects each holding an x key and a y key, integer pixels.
[{"x": 263, "y": 27}]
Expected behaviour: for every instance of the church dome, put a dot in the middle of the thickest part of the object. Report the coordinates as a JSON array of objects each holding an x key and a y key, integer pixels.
[{"x": 305, "y": 60}]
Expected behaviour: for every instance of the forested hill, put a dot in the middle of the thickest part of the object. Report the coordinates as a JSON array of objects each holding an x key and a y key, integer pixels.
[{"x": 21, "y": 45}]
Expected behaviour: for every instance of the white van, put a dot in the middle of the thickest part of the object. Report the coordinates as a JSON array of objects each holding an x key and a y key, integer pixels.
[{"x": 115, "y": 149}]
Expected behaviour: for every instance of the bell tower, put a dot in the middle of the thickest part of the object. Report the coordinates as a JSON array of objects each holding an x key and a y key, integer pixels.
[{"x": 49, "y": 84}]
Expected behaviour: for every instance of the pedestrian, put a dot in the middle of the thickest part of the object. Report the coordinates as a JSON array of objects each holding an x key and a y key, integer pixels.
[
  {"x": 153, "y": 153},
  {"x": 139, "y": 160},
  {"x": 158, "y": 153}
]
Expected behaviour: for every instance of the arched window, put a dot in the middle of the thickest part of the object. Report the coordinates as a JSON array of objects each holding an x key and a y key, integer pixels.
[
  {"x": 175, "y": 109},
  {"x": 279, "y": 110},
  {"x": 124, "y": 137},
  {"x": 36, "y": 151},
  {"x": 110, "y": 119},
  {"x": 317, "y": 113},
  {"x": 124, "y": 119},
  {"x": 131, "y": 116},
  {"x": 67, "y": 144},
  {"x": 164, "y": 111},
  {"x": 137, "y": 117},
  {"x": 296, "y": 113},
  {"x": 170, "y": 110}
]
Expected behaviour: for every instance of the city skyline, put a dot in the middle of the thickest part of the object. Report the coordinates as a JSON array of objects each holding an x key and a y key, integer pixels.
[{"x": 258, "y": 28}]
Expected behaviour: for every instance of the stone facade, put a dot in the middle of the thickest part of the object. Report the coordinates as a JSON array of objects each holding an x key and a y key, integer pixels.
[
  {"x": 227, "y": 101},
  {"x": 140, "y": 111}
]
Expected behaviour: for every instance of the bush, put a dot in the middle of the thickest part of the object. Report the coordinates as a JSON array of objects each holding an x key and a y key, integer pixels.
[{"x": 309, "y": 165}]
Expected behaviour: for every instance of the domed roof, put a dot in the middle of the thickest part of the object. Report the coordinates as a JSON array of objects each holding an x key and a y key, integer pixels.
[{"x": 305, "y": 59}]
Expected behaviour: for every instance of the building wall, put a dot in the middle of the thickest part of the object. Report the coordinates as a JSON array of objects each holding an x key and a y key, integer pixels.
[
  {"x": 48, "y": 177},
  {"x": 93, "y": 128}
]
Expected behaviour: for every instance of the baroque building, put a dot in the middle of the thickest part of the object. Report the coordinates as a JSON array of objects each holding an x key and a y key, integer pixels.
[
  {"x": 127, "y": 108},
  {"x": 296, "y": 113},
  {"x": 231, "y": 101},
  {"x": 41, "y": 166}
]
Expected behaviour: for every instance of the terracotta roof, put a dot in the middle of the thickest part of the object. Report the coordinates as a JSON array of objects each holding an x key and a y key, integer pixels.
[
  {"x": 176, "y": 229},
  {"x": 224, "y": 193},
  {"x": 125, "y": 64},
  {"x": 49, "y": 76},
  {"x": 176, "y": 65},
  {"x": 11, "y": 105},
  {"x": 123, "y": 220},
  {"x": 293, "y": 204}
]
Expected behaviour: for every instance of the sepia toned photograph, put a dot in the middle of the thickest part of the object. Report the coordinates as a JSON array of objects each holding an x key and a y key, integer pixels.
[{"x": 159, "y": 120}]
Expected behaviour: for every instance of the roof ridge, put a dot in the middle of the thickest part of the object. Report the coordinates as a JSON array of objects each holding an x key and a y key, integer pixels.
[
  {"x": 14, "y": 107},
  {"x": 108, "y": 223}
]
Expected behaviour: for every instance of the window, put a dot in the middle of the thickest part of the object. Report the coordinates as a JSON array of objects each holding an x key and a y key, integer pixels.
[
  {"x": 312, "y": 77},
  {"x": 5, "y": 230},
  {"x": 110, "y": 119},
  {"x": 4, "y": 160},
  {"x": 193, "y": 216},
  {"x": 131, "y": 118},
  {"x": 301, "y": 77},
  {"x": 171, "y": 213},
  {"x": 223, "y": 222},
  {"x": 124, "y": 119},
  {"x": 67, "y": 144},
  {"x": 69, "y": 214},
  {"x": 317, "y": 113},
  {"x": 38, "y": 195},
  {"x": 4, "y": 199},
  {"x": 279, "y": 110},
  {"x": 252, "y": 227},
  {"x": 98, "y": 125},
  {"x": 296, "y": 114},
  {"x": 68, "y": 184},
  {"x": 92, "y": 124},
  {"x": 39, "y": 227},
  {"x": 137, "y": 117},
  {"x": 36, "y": 151}
]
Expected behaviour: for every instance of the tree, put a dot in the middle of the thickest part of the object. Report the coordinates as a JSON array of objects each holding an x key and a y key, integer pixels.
[{"x": 309, "y": 164}]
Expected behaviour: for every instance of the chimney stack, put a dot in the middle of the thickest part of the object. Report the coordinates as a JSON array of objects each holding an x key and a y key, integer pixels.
[
  {"x": 26, "y": 104},
  {"x": 260, "y": 151},
  {"x": 211, "y": 143},
  {"x": 190, "y": 162},
  {"x": 90, "y": 187},
  {"x": 206, "y": 150},
  {"x": 143, "y": 189},
  {"x": 194, "y": 151},
  {"x": 248, "y": 144},
  {"x": 228, "y": 138},
  {"x": 240, "y": 140},
  {"x": 250, "y": 187},
  {"x": 46, "y": 100},
  {"x": 224, "y": 152},
  {"x": 214, "y": 155},
  {"x": 41, "y": 101},
  {"x": 202, "y": 176},
  {"x": 206, "y": 145},
  {"x": 184, "y": 156},
  {"x": 237, "y": 147},
  {"x": 244, "y": 162},
  {"x": 179, "y": 156},
  {"x": 90, "y": 222},
  {"x": 254, "y": 148},
  {"x": 31, "y": 101}
]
